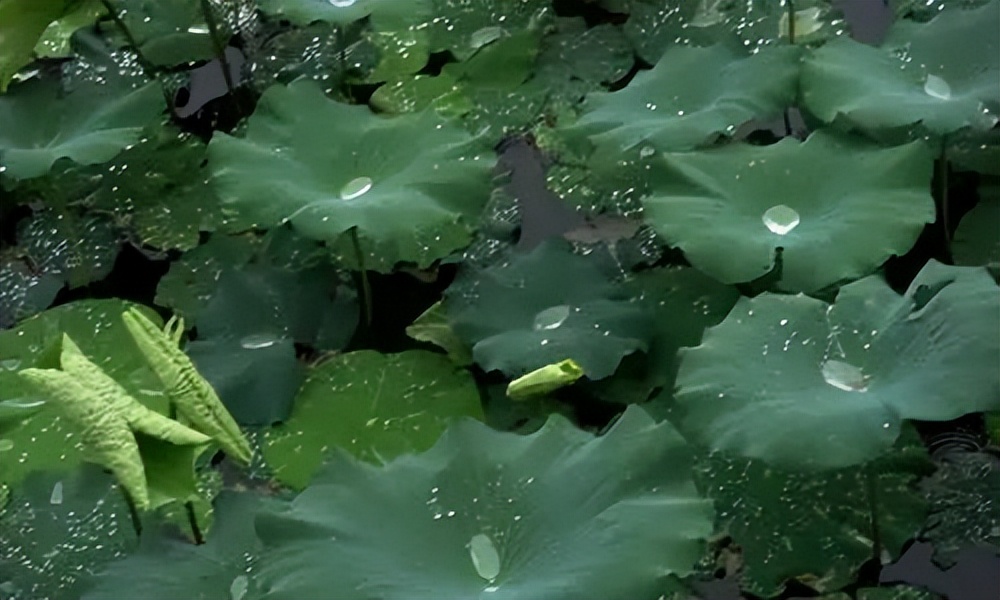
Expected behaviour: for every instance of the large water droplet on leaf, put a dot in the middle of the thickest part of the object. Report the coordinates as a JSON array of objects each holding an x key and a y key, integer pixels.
[
  {"x": 355, "y": 188},
  {"x": 238, "y": 589},
  {"x": 551, "y": 318},
  {"x": 6, "y": 445},
  {"x": 807, "y": 21},
  {"x": 780, "y": 219},
  {"x": 342, "y": 3},
  {"x": 485, "y": 557},
  {"x": 844, "y": 376},
  {"x": 937, "y": 87},
  {"x": 57, "y": 493},
  {"x": 257, "y": 341},
  {"x": 484, "y": 36}
]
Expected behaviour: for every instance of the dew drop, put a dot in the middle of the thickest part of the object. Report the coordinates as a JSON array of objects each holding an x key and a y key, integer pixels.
[
  {"x": 647, "y": 151},
  {"x": 484, "y": 36},
  {"x": 355, "y": 188},
  {"x": 257, "y": 341},
  {"x": 238, "y": 588},
  {"x": 57, "y": 493},
  {"x": 551, "y": 318},
  {"x": 199, "y": 29},
  {"x": 937, "y": 88},
  {"x": 844, "y": 376},
  {"x": 341, "y": 3},
  {"x": 6, "y": 445},
  {"x": 485, "y": 557},
  {"x": 780, "y": 219}
]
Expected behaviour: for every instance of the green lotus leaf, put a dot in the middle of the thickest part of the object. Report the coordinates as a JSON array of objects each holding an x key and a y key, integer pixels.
[
  {"x": 248, "y": 331},
  {"x": 23, "y": 22},
  {"x": 977, "y": 240},
  {"x": 548, "y": 515},
  {"x": 55, "y": 40},
  {"x": 90, "y": 124},
  {"x": 545, "y": 307},
  {"x": 800, "y": 383},
  {"x": 577, "y": 59},
  {"x": 24, "y": 292},
  {"x": 896, "y": 592},
  {"x": 45, "y": 440},
  {"x": 467, "y": 27},
  {"x": 924, "y": 73},
  {"x": 815, "y": 527},
  {"x": 342, "y": 12},
  {"x": 170, "y": 33},
  {"x": 58, "y": 529},
  {"x": 729, "y": 209},
  {"x": 674, "y": 107},
  {"x": 104, "y": 434},
  {"x": 286, "y": 170},
  {"x": 77, "y": 248},
  {"x": 165, "y": 568},
  {"x": 375, "y": 406}
]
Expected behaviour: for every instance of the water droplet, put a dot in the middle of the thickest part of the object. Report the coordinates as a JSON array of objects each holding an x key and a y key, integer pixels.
[
  {"x": 342, "y": 3},
  {"x": 6, "y": 445},
  {"x": 844, "y": 376},
  {"x": 647, "y": 151},
  {"x": 257, "y": 341},
  {"x": 485, "y": 557},
  {"x": 199, "y": 29},
  {"x": 355, "y": 188},
  {"x": 57, "y": 493},
  {"x": 238, "y": 589},
  {"x": 937, "y": 88},
  {"x": 552, "y": 317},
  {"x": 780, "y": 219},
  {"x": 485, "y": 35}
]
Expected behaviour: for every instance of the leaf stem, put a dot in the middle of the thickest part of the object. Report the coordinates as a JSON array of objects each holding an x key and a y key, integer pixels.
[
  {"x": 133, "y": 512},
  {"x": 366, "y": 290},
  {"x": 147, "y": 66},
  {"x": 942, "y": 176},
  {"x": 791, "y": 22},
  {"x": 872, "y": 492},
  {"x": 220, "y": 50},
  {"x": 199, "y": 538}
]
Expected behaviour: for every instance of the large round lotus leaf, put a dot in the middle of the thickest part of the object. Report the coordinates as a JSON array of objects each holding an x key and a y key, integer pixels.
[
  {"x": 944, "y": 74},
  {"x": 797, "y": 382},
  {"x": 78, "y": 248},
  {"x": 55, "y": 40},
  {"x": 411, "y": 185},
  {"x": 839, "y": 207},
  {"x": 60, "y": 528},
  {"x": 816, "y": 528},
  {"x": 45, "y": 441},
  {"x": 375, "y": 406},
  {"x": 545, "y": 307},
  {"x": 559, "y": 514},
  {"x": 675, "y": 106},
  {"x": 89, "y": 125},
  {"x": 24, "y": 291},
  {"x": 23, "y": 22},
  {"x": 166, "y": 568}
]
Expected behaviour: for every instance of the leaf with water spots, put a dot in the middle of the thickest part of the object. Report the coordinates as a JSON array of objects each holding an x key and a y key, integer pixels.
[
  {"x": 673, "y": 107},
  {"x": 410, "y": 185},
  {"x": 544, "y": 307},
  {"x": 374, "y": 406},
  {"x": 557, "y": 514},
  {"x": 89, "y": 123},
  {"x": 166, "y": 568},
  {"x": 942, "y": 76},
  {"x": 58, "y": 529},
  {"x": 798, "y": 382},
  {"x": 171, "y": 33},
  {"x": 23, "y": 22},
  {"x": 730, "y": 208},
  {"x": 816, "y": 528}
]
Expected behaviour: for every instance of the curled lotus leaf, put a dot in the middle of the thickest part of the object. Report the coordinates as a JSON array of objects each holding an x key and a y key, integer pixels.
[{"x": 190, "y": 394}]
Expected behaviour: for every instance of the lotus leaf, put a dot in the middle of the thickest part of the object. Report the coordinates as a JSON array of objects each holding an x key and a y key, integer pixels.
[
  {"x": 558, "y": 514},
  {"x": 729, "y": 209},
  {"x": 342, "y": 12},
  {"x": 800, "y": 383},
  {"x": 90, "y": 124},
  {"x": 79, "y": 249},
  {"x": 165, "y": 568},
  {"x": 977, "y": 239},
  {"x": 816, "y": 527},
  {"x": 23, "y": 22},
  {"x": 286, "y": 170},
  {"x": 248, "y": 331},
  {"x": 372, "y": 405},
  {"x": 55, "y": 40},
  {"x": 923, "y": 73},
  {"x": 545, "y": 307},
  {"x": 58, "y": 529},
  {"x": 170, "y": 33},
  {"x": 674, "y": 107}
]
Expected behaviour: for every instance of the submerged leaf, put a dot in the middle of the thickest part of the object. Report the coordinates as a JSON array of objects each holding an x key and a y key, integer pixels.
[{"x": 559, "y": 514}]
